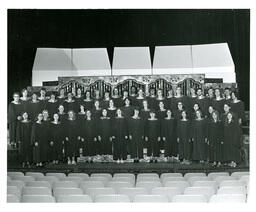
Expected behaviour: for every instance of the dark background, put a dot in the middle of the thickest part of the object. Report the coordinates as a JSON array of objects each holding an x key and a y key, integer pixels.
[{"x": 30, "y": 29}]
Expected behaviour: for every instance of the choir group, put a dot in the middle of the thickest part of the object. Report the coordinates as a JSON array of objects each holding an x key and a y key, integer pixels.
[{"x": 61, "y": 127}]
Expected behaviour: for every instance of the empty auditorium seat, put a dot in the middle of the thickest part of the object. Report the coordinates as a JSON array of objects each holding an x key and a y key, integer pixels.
[
  {"x": 245, "y": 178},
  {"x": 149, "y": 185},
  {"x": 228, "y": 198},
  {"x": 91, "y": 184},
  {"x": 15, "y": 174},
  {"x": 24, "y": 178},
  {"x": 206, "y": 191},
  {"x": 9, "y": 178},
  {"x": 180, "y": 184},
  {"x": 116, "y": 185},
  {"x": 123, "y": 179},
  {"x": 150, "y": 198},
  {"x": 84, "y": 176},
  {"x": 17, "y": 183},
  {"x": 148, "y": 178},
  {"x": 189, "y": 198},
  {"x": 34, "y": 174},
  {"x": 237, "y": 175},
  {"x": 73, "y": 179},
  {"x": 170, "y": 192},
  {"x": 36, "y": 191},
  {"x": 106, "y": 175},
  {"x": 37, "y": 199},
  {"x": 153, "y": 175},
  {"x": 191, "y": 180},
  {"x": 97, "y": 191},
  {"x": 67, "y": 191},
  {"x": 232, "y": 183},
  {"x": 219, "y": 179},
  {"x": 188, "y": 175},
  {"x": 164, "y": 175},
  {"x": 14, "y": 190},
  {"x": 65, "y": 184},
  {"x": 212, "y": 184},
  {"x": 11, "y": 198},
  {"x": 73, "y": 198},
  {"x": 104, "y": 180},
  {"x": 213, "y": 175},
  {"x": 111, "y": 198},
  {"x": 39, "y": 184},
  {"x": 165, "y": 179},
  {"x": 132, "y": 192},
  {"x": 58, "y": 175},
  {"x": 232, "y": 190},
  {"x": 129, "y": 175},
  {"x": 50, "y": 179}
]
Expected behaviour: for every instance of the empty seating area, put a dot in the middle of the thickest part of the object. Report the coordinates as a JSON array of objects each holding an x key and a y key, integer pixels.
[{"x": 126, "y": 187}]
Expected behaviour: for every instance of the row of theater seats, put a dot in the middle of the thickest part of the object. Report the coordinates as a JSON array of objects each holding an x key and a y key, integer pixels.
[{"x": 126, "y": 187}]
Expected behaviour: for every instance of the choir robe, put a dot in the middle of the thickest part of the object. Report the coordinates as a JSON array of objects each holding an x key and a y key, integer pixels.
[
  {"x": 228, "y": 101},
  {"x": 171, "y": 103},
  {"x": 120, "y": 130},
  {"x": 25, "y": 104},
  {"x": 139, "y": 102},
  {"x": 104, "y": 104},
  {"x": 198, "y": 135},
  {"x": 153, "y": 131},
  {"x": 33, "y": 110},
  {"x": 168, "y": 130},
  {"x": 152, "y": 102},
  {"x": 183, "y": 133},
  {"x": 117, "y": 101},
  {"x": 127, "y": 111},
  {"x": 177, "y": 114},
  {"x": 14, "y": 110},
  {"x": 156, "y": 103},
  {"x": 57, "y": 137},
  {"x": 96, "y": 114},
  {"x": 232, "y": 142},
  {"x": 218, "y": 105},
  {"x": 133, "y": 99},
  {"x": 136, "y": 130},
  {"x": 89, "y": 133},
  {"x": 202, "y": 103},
  {"x": 184, "y": 100},
  {"x": 144, "y": 115},
  {"x": 111, "y": 113},
  {"x": 105, "y": 132},
  {"x": 71, "y": 105},
  {"x": 192, "y": 101},
  {"x": 79, "y": 101},
  {"x": 42, "y": 103},
  {"x": 24, "y": 140},
  {"x": 61, "y": 100},
  {"x": 80, "y": 118},
  {"x": 215, "y": 137},
  {"x": 52, "y": 107},
  {"x": 88, "y": 104},
  {"x": 209, "y": 102},
  {"x": 161, "y": 114},
  {"x": 71, "y": 131},
  {"x": 46, "y": 128},
  {"x": 63, "y": 117},
  {"x": 238, "y": 108},
  {"x": 223, "y": 117},
  {"x": 122, "y": 100}
]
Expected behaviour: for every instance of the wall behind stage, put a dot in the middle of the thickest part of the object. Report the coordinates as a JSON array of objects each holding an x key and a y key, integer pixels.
[{"x": 29, "y": 29}]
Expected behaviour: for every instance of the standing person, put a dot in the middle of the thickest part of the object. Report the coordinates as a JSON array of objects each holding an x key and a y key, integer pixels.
[
  {"x": 237, "y": 107},
  {"x": 43, "y": 99},
  {"x": 227, "y": 94},
  {"x": 33, "y": 108},
  {"x": 24, "y": 140},
  {"x": 133, "y": 95},
  {"x": 62, "y": 114},
  {"x": 111, "y": 109},
  {"x": 124, "y": 97},
  {"x": 159, "y": 98},
  {"x": 227, "y": 109},
  {"x": 168, "y": 134},
  {"x": 209, "y": 97},
  {"x": 88, "y": 101},
  {"x": 210, "y": 111},
  {"x": 179, "y": 97},
  {"x": 105, "y": 101},
  {"x": 232, "y": 140},
  {"x": 215, "y": 139},
  {"x": 144, "y": 112},
  {"x": 70, "y": 104},
  {"x": 78, "y": 98},
  {"x": 198, "y": 137},
  {"x": 46, "y": 137},
  {"x": 218, "y": 102},
  {"x": 81, "y": 115},
  {"x": 56, "y": 140},
  {"x": 120, "y": 136},
  {"x": 192, "y": 99},
  {"x": 15, "y": 110},
  {"x": 180, "y": 108},
  {"x": 61, "y": 98},
  {"x": 183, "y": 138},
  {"x": 96, "y": 110},
  {"x": 195, "y": 108},
  {"x": 151, "y": 98},
  {"x": 116, "y": 98},
  {"x": 136, "y": 134},
  {"x": 161, "y": 113},
  {"x": 127, "y": 109},
  {"x": 202, "y": 102},
  {"x": 170, "y": 100},
  {"x": 52, "y": 105},
  {"x": 105, "y": 133},
  {"x": 140, "y": 99},
  {"x": 24, "y": 99},
  {"x": 152, "y": 135}
]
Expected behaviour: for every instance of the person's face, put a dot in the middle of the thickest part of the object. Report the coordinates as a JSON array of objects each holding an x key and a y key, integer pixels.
[
  {"x": 127, "y": 102},
  {"x": 229, "y": 116},
  {"x": 161, "y": 104},
  {"x": 227, "y": 92},
  {"x": 210, "y": 92},
  {"x": 159, "y": 93},
  {"x": 199, "y": 92},
  {"x": 40, "y": 117},
  {"x": 88, "y": 113},
  {"x": 69, "y": 96},
  {"x": 61, "y": 108},
  {"x": 133, "y": 90},
  {"x": 81, "y": 107},
  {"x": 119, "y": 113},
  {"x": 180, "y": 106},
  {"x": 25, "y": 93},
  {"x": 62, "y": 92},
  {"x": 226, "y": 108},
  {"x": 192, "y": 91},
  {"x": 25, "y": 116},
  {"x": 145, "y": 104},
  {"x": 210, "y": 109},
  {"x": 183, "y": 114},
  {"x": 106, "y": 95},
  {"x": 104, "y": 112},
  {"x": 45, "y": 114},
  {"x": 16, "y": 97},
  {"x": 42, "y": 92},
  {"x": 217, "y": 92},
  {"x": 56, "y": 117},
  {"x": 116, "y": 91},
  {"x": 88, "y": 95},
  {"x": 34, "y": 96},
  {"x": 79, "y": 91},
  {"x": 214, "y": 116},
  {"x": 97, "y": 104},
  {"x": 125, "y": 93},
  {"x": 152, "y": 92},
  {"x": 140, "y": 92},
  {"x": 152, "y": 115},
  {"x": 233, "y": 96},
  {"x": 97, "y": 93},
  {"x": 52, "y": 97},
  {"x": 169, "y": 113},
  {"x": 111, "y": 103},
  {"x": 170, "y": 93},
  {"x": 198, "y": 114},
  {"x": 136, "y": 112},
  {"x": 196, "y": 107},
  {"x": 71, "y": 115}
]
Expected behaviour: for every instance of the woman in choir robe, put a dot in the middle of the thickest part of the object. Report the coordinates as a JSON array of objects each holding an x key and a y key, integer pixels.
[
  {"x": 52, "y": 105},
  {"x": 180, "y": 98},
  {"x": 124, "y": 97},
  {"x": 79, "y": 98},
  {"x": 180, "y": 108},
  {"x": 46, "y": 137},
  {"x": 193, "y": 114},
  {"x": 62, "y": 114},
  {"x": 56, "y": 140},
  {"x": 151, "y": 98},
  {"x": 37, "y": 141},
  {"x": 81, "y": 115},
  {"x": 89, "y": 135},
  {"x": 61, "y": 98},
  {"x": 120, "y": 136},
  {"x": 24, "y": 140},
  {"x": 192, "y": 99},
  {"x": 133, "y": 95},
  {"x": 127, "y": 109},
  {"x": 15, "y": 110},
  {"x": 210, "y": 111},
  {"x": 198, "y": 138},
  {"x": 70, "y": 104},
  {"x": 202, "y": 102},
  {"x": 237, "y": 107},
  {"x": 227, "y": 109},
  {"x": 105, "y": 133},
  {"x": 136, "y": 134},
  {"x": 43, "y": 99},
  {"x": 232, "y": 140},
  {"x": 33, "y": 108},
  {"x": 227, "y": 95},
  {"x": 139, "y": 99},
  {"x": 88, "y": 101},
  {"x": 97, "y": 96},
  {"x": 111, "y": 109},
  {"x": 161, "y": 113},
  {"x": 183, "y": 138},
  {"x": 24, "y": 100},
  {"x": 152, "y": 135},
  {"x": 144, "y": 112},
  {"x": 159, "y": 98},
  {"x": 168, "y": 134},
  {"x": 170, "y": 100},
  {"x": 116, "y": 98},
  {"x": 215, "y": 139},
  {"x": 72, "y": 137},
  {"x": 218, "y": 102},
  {"x": 96, "y": 110},
  {"x": 105, "y": 101},
  {"x": 209, "y": 96}
]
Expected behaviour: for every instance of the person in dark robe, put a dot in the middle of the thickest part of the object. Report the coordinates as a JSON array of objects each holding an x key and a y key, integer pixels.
[
  {"x": 227, "y": 109},
  {"x": 43, "y": 99},
  {"x": 202, "y": 102},
  {"x": 209, "y": 96},
  {"x": 161, "y": 113},
  {"x": 15, "y": 110},
  {"x": 111, "y": 109},
  {"x": 198, "y": 138},
  {"x": 133, "y": 95},
  {"x": 96, "y": 110},
  {"x": 79, "y": 98},
  {"x": 184, "y": 138},
  {"x": 46, "y": 137},
  {"x": 127, "y": 109},
  {"x": 227, "y": 94},
  {"x": 33, "y": 108},
  {"x": 168, "y": 135},
  {"x": 170, "y": 100},
  {"x": 97, "y": 96},
  {"x": 124, "y": 97},
  {"x": 237, "y": 107},
  {"x": 210, "y": 111},
  {"x": 152, "y": 98},
  {"x": 61, "y": 98},
  {"x": 24, "y": 140},
  {"x": 192, "y": 100},
  {"x": 144, "y": 112},
  {"x": 62, "y": 115},
  {"x": 139, "y": 99},
  {"x": 56, "y": 140},
  {"x": 116, "y": 98},
  {"x": 70, "y": 104},
  {"x": 52, "y": 105},
  {"x": 105, "y": 133},
  {"x": 105, "y": 100},
  {"x": 37, "y": 141},
  {"x": 215, "y": 139},
  {"x": 180, "y": 108},
  {"x": 218, "y": 101},
  {"x": 136, "y": 134},
  {"x": 24, "y": 99},
  {"x": 195, "y": 108},
  {"x": 88, "y": 101},
  {"x": 153, "y": 135},
  {"x": 81, "y": 115},
  {"x": 232, "y": 141},
  {"x": 159, "y": 98},
  {"x": 72, "y": 137},
  {"x": 120, "y": 136},
  {"x": 180, "y": 98}
]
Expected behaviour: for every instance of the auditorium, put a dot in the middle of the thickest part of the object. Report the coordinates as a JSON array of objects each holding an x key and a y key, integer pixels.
[{"x": 128, "y": 106}]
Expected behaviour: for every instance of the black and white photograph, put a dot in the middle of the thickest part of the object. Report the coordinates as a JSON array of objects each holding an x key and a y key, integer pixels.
[{"x": 128, "y": 106}]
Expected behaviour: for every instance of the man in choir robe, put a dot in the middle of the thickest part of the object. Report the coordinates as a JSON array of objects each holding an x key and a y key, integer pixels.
[
  {"x": 133, "y": 95},
  {"x": 201, "y": 101},
  {"x": 227, "y": 94},
  {"x": 61, "y": 98},
  {"x": 139, "y": 99},
  {"x": 111, "y": 109},
  {"x": 124, "y": 97},
  {"x": 237, "y": 107},
  {"x": 218, "y": 101},
  {"x": 151, "y": 98},
  {"x": 105, "y": 101},
  {"x": 78, "y": 98},
  {"x": 24, "y": 100},
  {"x": 43, "y": 99},
  {"x": 70, "y": 104},
  {"x": 52, "y": 105},
  {"x": 88, "y": 101},
  {"x": 116, "y": 98},
  {"x": 127, "y": 109},
  {"x": 181, "y": 98},
  {"x": 33, "y": 108}
]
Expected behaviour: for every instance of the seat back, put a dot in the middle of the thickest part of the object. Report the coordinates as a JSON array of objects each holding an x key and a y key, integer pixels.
[
  {"x": 237, "y": 175},
  {"x": 180, "y": 184},
  {"x": 170, "y": 192},
  {"x": 84, "y": 176},
  {"x": 14, "y": 190},
  {"x": 129, "y": 175},
  {"x": 132, "y": 192},
  {"x": 164, "y": 175},
  {"x": 219, "y": 179},
  {"x": 20, "y": 184},
  {"x": 65, "y": 184},
  {"x": 232, "y": 190},
  {"x": 56, "y": 174},
  {"x": 232, "y": 183},
  {"x": 165, "y": 179},
  {"x": 15, "y": 174},
  {"x": 24, "y": 178},
  {"x": 37, "y": 199},
  {"x": 91, "y": 184},
  {"x": 71, "y": 178},
  {"x": 149, "y": 185},
  {"x": 98, "y": 191},
  {"x": 189, "y": 198},
  {"x": 116, "y": 185},
  {"x": 36, "y": 191},
  {"x": 196, "y": 174},
  {"x": 39, "y": 184},
  {"x": 11, "y": 198},
  {"x": 34, "y": 174},
  {"x": 67, "y": 191},
  {"x": 123, "y": 179},
  {"x": 73, "y": 198},
  {"x": 150, "y": 198},
  {"x": 50, "y": 179},
  {"x": 106, "y": 175},
  {"x": 148, "y": 175},
  {"x": 104, "y": 180},
  {"x": 111, "y": 198},
  {"x": 191, "y": 180},
  {"x": 206, "y": 191},
  {"x": 228, "y": 198},
  {"x": 212, "y": 184},
  {"x": 245, "y": 178},
  {"x": 213, "y": 175}
]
